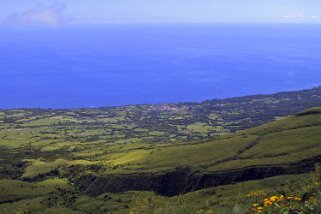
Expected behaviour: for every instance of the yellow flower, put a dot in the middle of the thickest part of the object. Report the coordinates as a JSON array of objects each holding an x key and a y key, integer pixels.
[
  {"x": 274, "y": 198},
  {"x": 267, "y": 203},
  {"x": 255, "y": 205}
]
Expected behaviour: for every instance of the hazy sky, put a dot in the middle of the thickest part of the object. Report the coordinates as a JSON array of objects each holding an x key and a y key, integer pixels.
[{"x": 49, "y": 12}]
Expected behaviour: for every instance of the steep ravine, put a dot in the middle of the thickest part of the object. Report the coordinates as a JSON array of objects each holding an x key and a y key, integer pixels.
[{"x": 183, "y": 180}]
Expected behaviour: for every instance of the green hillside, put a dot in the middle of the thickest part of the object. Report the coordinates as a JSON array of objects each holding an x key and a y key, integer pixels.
[
  {"x": 89, "y": 161},
  {"x": 287, "y": 146}
]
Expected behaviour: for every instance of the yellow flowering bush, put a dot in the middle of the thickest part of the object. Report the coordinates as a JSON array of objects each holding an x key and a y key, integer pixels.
[
  {"x": 277, "y": 204},
  {"x": 289, "y": 203}
]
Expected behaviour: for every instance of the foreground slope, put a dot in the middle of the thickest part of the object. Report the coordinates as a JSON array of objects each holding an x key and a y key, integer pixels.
[
  {"x": 96, "y": 160},
  {"x": 75, "y": 181}
]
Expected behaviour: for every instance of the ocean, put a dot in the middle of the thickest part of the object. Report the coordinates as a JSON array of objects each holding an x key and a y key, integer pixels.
[{"x": 111, "y": 65}]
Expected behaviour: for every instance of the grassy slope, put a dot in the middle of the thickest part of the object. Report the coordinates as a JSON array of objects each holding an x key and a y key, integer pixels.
[
  {"x": 285, "y": 141},
  {"x": 43, "y": 197},
  {"x": 48, "y": 147}
]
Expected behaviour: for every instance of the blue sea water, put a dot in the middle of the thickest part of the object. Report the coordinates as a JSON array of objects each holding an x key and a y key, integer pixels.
[{"x": 86, "y": 66}]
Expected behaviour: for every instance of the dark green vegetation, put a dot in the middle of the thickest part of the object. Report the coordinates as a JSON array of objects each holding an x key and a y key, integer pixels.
[{"x": 96, "y": 160}]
